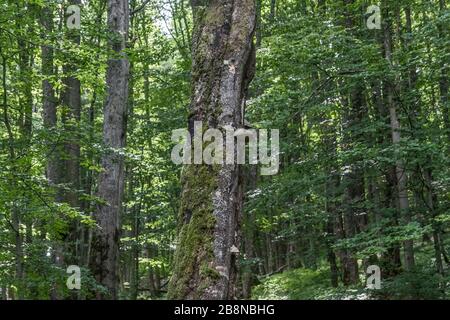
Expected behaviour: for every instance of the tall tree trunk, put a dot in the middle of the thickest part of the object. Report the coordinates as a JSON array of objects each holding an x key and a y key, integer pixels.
[
  {"x": 25, "y": 126},
  {"x": 48, "y": 98},
  {"x": 353, "y": 179},
  {"x": 396, "y": 137},
  {"x": 390, "y": 260},
  {"x": 49, "y": 102},
  {"x": 105, "y": 250},
  {"x": 88, "y": 183},
  {"x": 71, "y": 100},
  {"x": 444, "y": 82},
  {"x": 15, "y": 210},
  {"x": 223, "y": 64},
  {"x": 423, "y": 168},
  {"x": 431, "y": 201}
]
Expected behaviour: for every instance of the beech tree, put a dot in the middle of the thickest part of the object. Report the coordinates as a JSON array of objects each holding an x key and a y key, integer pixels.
[{"x": 105, "y": 247}]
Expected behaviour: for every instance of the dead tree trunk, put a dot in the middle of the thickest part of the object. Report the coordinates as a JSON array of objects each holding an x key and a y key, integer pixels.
[{"x": 223, "y": 63}]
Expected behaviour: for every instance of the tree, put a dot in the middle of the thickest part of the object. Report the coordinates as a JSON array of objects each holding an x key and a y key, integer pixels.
[
  {"x": 105, "y": 250},
  {"x": 211, "y": 200},
  {"x": 71, "y": 103},
  {"x": 400, "y": 172}
]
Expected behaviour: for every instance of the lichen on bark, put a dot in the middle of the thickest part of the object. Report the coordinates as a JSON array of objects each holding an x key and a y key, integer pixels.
[
  {"x": 211, "y": 203},
  {"x": 194, "y": 251}
]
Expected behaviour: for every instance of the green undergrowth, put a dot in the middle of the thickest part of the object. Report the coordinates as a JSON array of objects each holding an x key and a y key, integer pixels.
[
  {"x": 297, "y": 284},
  {"x": 305, "y": 284}
]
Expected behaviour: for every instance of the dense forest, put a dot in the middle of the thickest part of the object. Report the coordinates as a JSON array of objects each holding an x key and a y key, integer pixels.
[{"x": 93, "y": 205}]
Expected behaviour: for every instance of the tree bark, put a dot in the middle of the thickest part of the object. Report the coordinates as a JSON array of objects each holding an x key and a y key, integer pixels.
[
  {"x": 71, "y": 101},
  {"x": 331, "y": 209},
  {"x": 444, "y": 82},
  {"x": 49, "y": 102},
  {"x": 48, "y": 98},
  {"x": 105, "y": 250},
  {"x": 223, "y": 63},
  {"x": 353, "y": 178},
  {"x": 396, "y": 137}
]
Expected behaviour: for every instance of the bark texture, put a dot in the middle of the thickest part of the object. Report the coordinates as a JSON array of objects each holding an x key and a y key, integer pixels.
[
  {"x": 223, "y": 66},
  {"x": 105, "y": 250}
]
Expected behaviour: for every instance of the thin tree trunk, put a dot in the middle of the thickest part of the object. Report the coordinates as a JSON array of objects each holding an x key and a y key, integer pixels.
[
  {"x": 151, "y": 273},
  {"x": 332, "y": 185},
  {"x": 71, "y": 100},
  {"x": 390, "y": 260},
  {"x": 259, "y": 25},
  {"x": 49, "y": 99},
  {"x": 431, "y": 197},
  {"x": 87, "y": 205},
  {"x": 25, "y": 127},
  {"x": 53, "y": 166},
  {"x": 353, "y": 178},
  {"x": 249, "y": 270},
  {"x": 15, "y": 211},
  {"x": 396, "y": 137},
  {"x": 444, "y": 82}
]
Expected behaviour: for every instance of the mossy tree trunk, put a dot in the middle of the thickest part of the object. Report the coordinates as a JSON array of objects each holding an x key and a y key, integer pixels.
[{"x": 223, "y": 66}]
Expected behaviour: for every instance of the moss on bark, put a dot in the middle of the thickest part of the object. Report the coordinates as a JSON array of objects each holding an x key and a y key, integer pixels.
[{"x": 194, "y": 269}]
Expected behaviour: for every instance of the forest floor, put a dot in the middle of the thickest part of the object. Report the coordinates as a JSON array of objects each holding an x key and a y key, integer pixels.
[
  {"x": 308, "y": 284},
  {"x": 297, "y": 284}
]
